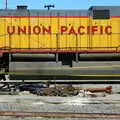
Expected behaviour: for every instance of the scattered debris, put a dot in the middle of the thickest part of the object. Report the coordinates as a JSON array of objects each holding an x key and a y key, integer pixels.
[
  {"x": 83, "y": 93},
  {"x": 106, "y": 89},
  {"x": 63, "y": 90},
  {"x": 25, "y": 93},
  {"x": 33, "y": 88}
]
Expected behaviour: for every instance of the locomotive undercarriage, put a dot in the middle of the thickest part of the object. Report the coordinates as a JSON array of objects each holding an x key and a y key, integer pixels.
[{"x": 58, "y": 66}]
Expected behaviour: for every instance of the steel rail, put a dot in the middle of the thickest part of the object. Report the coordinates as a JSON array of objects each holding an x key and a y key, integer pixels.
[
  {"x": 11, "y": 82},
  {"x": 60, "y": 115},
  {"x": 81, "y": 75}
]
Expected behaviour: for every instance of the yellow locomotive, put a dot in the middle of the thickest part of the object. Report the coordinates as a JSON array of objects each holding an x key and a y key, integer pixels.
[
  {"x": 63, "y": 33},
  {"x": 93, "y": 30}
]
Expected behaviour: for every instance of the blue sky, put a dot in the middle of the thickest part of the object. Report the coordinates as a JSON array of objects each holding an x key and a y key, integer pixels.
[{"x": 60, "y": 4}]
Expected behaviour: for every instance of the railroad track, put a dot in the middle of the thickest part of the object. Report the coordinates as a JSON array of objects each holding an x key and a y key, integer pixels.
[
  {"x": 60, "y": 115},
  {"x": 91, "y": 81}
]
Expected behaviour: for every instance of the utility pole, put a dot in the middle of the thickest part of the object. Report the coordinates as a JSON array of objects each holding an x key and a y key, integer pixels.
[
  {"x": 49, "y": 6},
  {"x": 6, "y": 4}
]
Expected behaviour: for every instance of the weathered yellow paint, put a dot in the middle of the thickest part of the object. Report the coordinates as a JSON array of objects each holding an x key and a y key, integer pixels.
[{"x": 57, "y": 40}]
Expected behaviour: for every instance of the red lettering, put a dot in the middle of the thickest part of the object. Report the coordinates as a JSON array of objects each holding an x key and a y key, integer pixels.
[
  {"x": 72, "y": 30},
  {"x": 79, "y": 30},
  {"x": 21, "y": 30},
  {"x": 12, "y": 31},
  {"x": 36, "y": 29},
  {"x": 64, "y": 29},
  {"x": 94, "y": 29},
  {"x": 88, "y": 29},
  {"x": 47, "y": 30},
  {"x": 29, "y": 29},
  {"x": 108, "y": 30},
  {"x": 101, "y": 29}
]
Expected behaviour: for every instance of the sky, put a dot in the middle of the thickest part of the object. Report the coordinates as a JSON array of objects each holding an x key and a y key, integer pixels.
[{"x": 59, "y": 4}]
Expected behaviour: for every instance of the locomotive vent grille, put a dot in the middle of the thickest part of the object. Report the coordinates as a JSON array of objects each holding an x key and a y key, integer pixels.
[{"x": 22, "y": 7}]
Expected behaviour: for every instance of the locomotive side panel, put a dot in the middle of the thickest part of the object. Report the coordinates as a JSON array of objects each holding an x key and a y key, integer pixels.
[
  {"x": 68, "y": 31},
  {"x": 70, "y": 39},
  {"x": 14, "y": 40},
  {"x": 106, "y": 41},
  {"x": 24, "y": 38},
  {"x": 115, "y": 42},
  {"x": 2, "y": 33},
  {"x": 43, "y": 33},
  {"x": 101, "y": 41}
]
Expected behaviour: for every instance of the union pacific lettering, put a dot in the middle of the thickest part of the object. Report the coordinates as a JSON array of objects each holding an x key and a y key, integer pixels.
[{"x": 63, "y": 30}]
